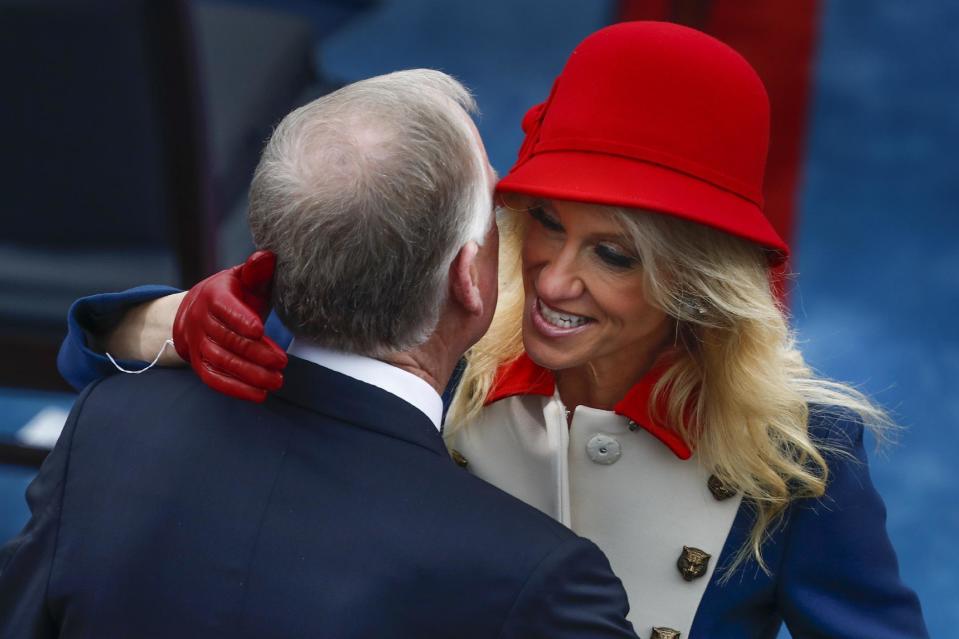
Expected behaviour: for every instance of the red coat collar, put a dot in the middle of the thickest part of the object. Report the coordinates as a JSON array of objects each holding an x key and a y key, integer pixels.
[{"x": 524, "y": 377}]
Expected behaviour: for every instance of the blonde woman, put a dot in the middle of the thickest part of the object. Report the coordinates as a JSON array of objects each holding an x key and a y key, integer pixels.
[{"x": 640, "y": 382}]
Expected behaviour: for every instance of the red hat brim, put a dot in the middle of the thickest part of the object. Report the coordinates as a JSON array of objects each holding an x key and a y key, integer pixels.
[{"x": 613, "y": 180}]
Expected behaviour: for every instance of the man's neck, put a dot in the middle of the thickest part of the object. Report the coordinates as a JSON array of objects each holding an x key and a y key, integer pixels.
[{"x": 431, "y": 361}]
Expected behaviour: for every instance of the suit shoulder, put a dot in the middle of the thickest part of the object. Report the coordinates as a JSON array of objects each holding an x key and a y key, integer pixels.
[
  {"x": 168, "y": 405},
  {"x": 154, "y": 391},
  {"x": 499, "y": 513},
  {"x": 148, "y": 382},
  {"x": 533, "y": 569}
]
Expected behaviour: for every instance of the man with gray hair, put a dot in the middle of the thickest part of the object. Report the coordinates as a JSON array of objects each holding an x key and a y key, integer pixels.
[{"x": 332, "y": 509}]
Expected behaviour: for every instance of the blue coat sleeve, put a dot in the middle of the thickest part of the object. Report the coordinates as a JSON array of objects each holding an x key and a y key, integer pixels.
[
  {"x": 573, "y": 593},
  {"x": 79, "y": 364},
  {"x": 840, "y": 576},
  {"x": 26, "y": 561}
]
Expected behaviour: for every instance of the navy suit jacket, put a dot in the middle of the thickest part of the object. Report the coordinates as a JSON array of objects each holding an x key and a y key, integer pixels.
[{"x": 331, "y": 510}]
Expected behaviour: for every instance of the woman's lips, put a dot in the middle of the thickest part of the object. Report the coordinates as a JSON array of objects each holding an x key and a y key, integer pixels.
[{"x": 550, "y": 322}]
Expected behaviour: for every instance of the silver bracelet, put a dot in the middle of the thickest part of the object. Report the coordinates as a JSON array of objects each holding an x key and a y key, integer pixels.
[{"x": 156, "y": 359}]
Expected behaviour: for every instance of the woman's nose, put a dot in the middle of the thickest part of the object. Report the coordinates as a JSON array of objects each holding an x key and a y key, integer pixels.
[{"x": 559, "y": 279}]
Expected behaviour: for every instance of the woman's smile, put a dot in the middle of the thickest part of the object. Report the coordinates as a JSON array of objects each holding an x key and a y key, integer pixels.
[
  {"x": 585, "y": 302},
  {"x": 555, "y": 323}
]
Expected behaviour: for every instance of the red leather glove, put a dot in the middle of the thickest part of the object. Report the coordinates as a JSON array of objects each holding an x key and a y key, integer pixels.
[{"x": 219, "y": 330}]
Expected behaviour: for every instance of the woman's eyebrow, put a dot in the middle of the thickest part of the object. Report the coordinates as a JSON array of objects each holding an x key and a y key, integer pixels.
[{"x": 616, "y": 236}]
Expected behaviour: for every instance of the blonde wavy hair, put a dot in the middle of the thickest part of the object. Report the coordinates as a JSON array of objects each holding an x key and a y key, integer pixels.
[{"x": 737, "y": 375}]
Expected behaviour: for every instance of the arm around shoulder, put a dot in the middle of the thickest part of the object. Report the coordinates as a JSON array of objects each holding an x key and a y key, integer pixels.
[
  {"x": 571, "y": 593},
  {"x": 97, "y": 322}
]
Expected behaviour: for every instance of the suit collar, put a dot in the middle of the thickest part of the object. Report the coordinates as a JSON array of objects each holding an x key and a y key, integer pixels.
[
  {"x": 522, "y": 376},
  {"x": 346, "y": 399},
  {"x": 392, "y": 379}
]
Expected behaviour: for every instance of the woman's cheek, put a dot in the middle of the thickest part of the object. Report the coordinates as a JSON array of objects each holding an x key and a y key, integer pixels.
[{"x": 536, "y": 250}]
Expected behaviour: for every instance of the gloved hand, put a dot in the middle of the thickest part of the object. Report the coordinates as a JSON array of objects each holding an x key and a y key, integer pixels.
[{"x": 219, "y": 330}]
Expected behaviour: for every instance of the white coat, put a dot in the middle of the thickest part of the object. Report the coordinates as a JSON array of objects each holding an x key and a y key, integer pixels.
[{"x": 610, "y": 480}]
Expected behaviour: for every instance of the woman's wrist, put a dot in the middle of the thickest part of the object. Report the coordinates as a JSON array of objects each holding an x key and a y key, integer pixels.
[{"x": 143, "y": 331}]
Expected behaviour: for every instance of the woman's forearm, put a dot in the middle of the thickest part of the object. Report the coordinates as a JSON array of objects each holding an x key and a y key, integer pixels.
[{"x": 141, "y": 333}]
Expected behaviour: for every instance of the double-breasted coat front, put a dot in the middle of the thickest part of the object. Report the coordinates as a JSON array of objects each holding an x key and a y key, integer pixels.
[{"x": 632, "y": 486}]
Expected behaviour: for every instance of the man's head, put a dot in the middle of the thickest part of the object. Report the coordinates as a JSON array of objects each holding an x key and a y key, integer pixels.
[{"x": 367, "y": 195}]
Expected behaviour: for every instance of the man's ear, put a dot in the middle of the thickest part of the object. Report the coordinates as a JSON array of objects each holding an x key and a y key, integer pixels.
[{"x": 464, "y": 279}]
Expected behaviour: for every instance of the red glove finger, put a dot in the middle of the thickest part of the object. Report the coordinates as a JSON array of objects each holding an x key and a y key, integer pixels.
[
  {"x": 240, "y": 368},
  {"x": 228, "y": 385},
  {"x": 245, "y": 363},
  {"x": 228, "y": 364},
  {"x": 262, "y": 352},
  {"x": 236, "y": 315},
  {"x": 246, "y": 295},
  {"x": 256, "y": 276}
]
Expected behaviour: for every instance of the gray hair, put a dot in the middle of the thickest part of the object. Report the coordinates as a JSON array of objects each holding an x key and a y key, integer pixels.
[{"x": 366, "y": 195}]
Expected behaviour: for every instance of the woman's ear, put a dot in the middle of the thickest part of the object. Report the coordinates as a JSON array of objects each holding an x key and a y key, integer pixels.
[{"x": 464, "y": 279}]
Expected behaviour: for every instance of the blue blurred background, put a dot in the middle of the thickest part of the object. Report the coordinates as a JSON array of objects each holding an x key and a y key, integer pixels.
[{"x": 876, "y": 295}]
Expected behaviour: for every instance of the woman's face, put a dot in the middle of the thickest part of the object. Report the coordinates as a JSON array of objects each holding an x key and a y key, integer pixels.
[{"x": 584, "y": 291}]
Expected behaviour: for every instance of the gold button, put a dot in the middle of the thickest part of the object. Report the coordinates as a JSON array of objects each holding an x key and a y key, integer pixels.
[
  {"x": 664, "y": 633},
  {"x": 457, "y": 456},
  {"x": 693, "y": 563},
  {"x": 720, "y": 490}
]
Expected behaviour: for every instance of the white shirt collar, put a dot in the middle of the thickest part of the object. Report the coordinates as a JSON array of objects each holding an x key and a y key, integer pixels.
[{"x": 394, "y": 380}]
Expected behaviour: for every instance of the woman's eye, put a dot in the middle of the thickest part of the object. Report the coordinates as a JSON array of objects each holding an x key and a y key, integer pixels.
[
  {"x": 545, "y": 219},
  {"x": 614, "y": 256}
]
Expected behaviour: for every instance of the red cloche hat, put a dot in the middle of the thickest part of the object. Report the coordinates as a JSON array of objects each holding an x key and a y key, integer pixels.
[{"x": 656, "y": 116}]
